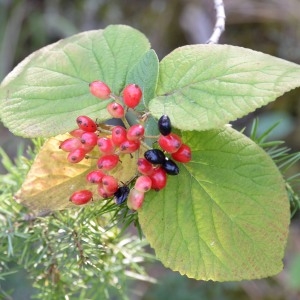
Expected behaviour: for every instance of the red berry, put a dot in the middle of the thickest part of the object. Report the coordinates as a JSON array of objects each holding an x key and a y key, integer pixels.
[
  {"x": 129, "y": 146},
  {"x": 118, "y": 135},
  {"x": 89, "y": 138},
  {"x": 183, "y": 154},
  {"x": 170, "y": 143},
  {"x": 143, "y": 184},
  {"x": 132, "y": 95},
  {"x": 87, "y": 148},
  {"x": 77, "y": 132},
  {"x": 95, "y": 176},
  {"x": 135, "y": 199},
  {"x": 108, "y": 162},
  {"x": 103, "y": 193},
  {"x": 135, "y": 132},
  {"x": 110, "y": 184},
  {"x": 144, "y": 166},
  {"x": 70, "y": 144},
  {"x": 106, "y": 145},
  {"x": 76, "y": 156},
  {"x": 116, "y": 110},
  {"x": 81, "y": 197},
  {"x": 158, "y": 178},
  {"x": 100, "y": 89},
  {"x": 87, "y": 124}
]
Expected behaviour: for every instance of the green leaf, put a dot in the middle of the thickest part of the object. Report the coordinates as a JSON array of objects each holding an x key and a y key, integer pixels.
[
  {"x": 225, "y": 216},
  {"x": 145, "y": 74},
  {"x": 45, "y": 93},
  {"x": 151, "y": 129},
  {"x": 202, "y": 87}
]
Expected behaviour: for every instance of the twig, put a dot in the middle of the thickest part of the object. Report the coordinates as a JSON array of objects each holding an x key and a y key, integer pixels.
[
  {"x": 78, "y": 245},
  {"x": 220, "y": 22},
  {"x": 35, "y": 215}
]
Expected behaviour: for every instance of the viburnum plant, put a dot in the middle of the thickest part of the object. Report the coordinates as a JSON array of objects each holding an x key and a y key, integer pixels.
[{"x": 211, "y": 202}]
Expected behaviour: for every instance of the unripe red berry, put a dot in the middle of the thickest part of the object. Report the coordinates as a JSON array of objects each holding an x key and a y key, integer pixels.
[
  {"x": 110, "y": 184},
  {"x": 70, "y": 144},
  {"x": 158, "y": 178},
  {"x": 183, "y": 154},
  {"x": 129, "y": 146},
  {"x": 86, "y": 123},
  {"x": 118, "y": 135},
  {"x": 170, "y": 143},
  {"x": 144, "y": 166},
  {"x": 86, "y": 147},
  {"x": 135, "y": 199},
  {"x": 103, "y": 193},
  {"x": 100, "y": 89},
  {"x": 95, "y": 176},
  {"x": 135, "y": 132},
  {"x": 132, "y": 95},
  {"x": 81, "y": 197},
  {"x": 116, "y": 110},
  {"x": 106, "y": 145},
  {"x": 89, "y": 139},
  {"x": 108, "y": 162},
  {"x": 76, "y": 156},
  {"x": 77, "y": 132},
  {"x": 143, "y": 183}
]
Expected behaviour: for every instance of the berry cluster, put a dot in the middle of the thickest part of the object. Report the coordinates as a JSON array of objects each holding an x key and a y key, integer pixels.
[
  {"x": 83, "y": 140},
  {"x": 155, "y": 166},
  {"x": 152, "y": 169}
]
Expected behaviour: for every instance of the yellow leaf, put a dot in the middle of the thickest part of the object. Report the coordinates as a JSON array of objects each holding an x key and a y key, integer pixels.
[{"x": 52, "y": 179}]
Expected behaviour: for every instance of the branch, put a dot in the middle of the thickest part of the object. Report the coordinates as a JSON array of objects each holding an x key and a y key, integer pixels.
[
  {"x": 220, "y": 22},
  {"x": 78, "y": 245}
]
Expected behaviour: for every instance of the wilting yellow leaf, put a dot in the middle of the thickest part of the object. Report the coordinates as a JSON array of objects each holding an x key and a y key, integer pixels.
[{"x": 52, "y": 179}]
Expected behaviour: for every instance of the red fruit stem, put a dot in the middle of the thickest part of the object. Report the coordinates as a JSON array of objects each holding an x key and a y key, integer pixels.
[{"x": 124, "y": 120}]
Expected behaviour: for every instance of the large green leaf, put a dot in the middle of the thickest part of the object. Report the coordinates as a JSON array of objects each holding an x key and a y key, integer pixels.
[
  {"x": 205, "y": 86},
  {"x": 225, "y": 216},
  {"x": 45, "y": 93}
]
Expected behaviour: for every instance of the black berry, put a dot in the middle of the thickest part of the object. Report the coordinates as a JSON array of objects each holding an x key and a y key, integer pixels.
[
  {"x": 155, "y": 156},
  {"x": 164, "y": 125},
  {"x": 170, "y": 167},
  {"x": 121, "y": 194}
]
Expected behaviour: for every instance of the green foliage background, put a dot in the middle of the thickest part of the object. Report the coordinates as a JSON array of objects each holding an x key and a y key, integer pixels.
[{"x": 29, "y": 25}]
